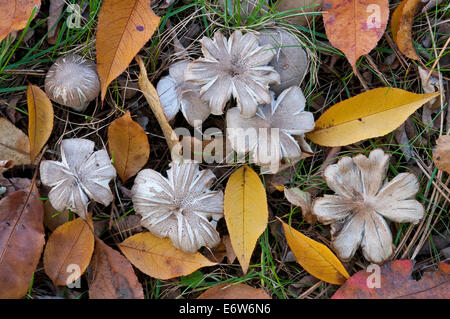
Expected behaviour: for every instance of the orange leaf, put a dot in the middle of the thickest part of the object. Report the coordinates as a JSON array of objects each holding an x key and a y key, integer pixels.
[
  {"x": 315, "y": 258},
  {"x": 40, "y": 119},
  {"x": 401, "y": 25},
  {"x": 355, "y": 26},
  {"x": 441, "y": 156},
  {"x": 21, "y": 241},
  {"x": 15, "y": 15},
  {"x": 158, "y": 258},
  {"x": 128, "y": 145},
  {"x": 234, "y": 291},
  {"x": 113, "y": 275},
  {"x": 69, "y": 250},
  {"x": 123, "y": 29}
]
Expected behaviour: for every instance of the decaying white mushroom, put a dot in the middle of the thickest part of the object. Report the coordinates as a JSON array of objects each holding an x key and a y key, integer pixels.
[
  {"x": 233, "y": 67},
  {"x": 180, "y": 206},
  {"x": 175, "y": 94},
  {"x": 290, "y": 59},
  {"x": 361, "y": 202},
  {"x": 81, "y": 175},
  {"x": 268, "y": 135},
  {"x": 72, "y": 81}
]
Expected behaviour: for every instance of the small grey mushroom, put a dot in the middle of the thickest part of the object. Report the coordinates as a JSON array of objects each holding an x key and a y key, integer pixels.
[
  {"x": 290, "y": 60},
  {"x": 175, "y": 94},
  {"x": 72, "y": 81}
]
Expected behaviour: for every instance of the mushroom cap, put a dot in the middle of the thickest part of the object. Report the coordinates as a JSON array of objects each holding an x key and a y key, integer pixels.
[
  {"x": 175, "y": 94},
  {"x": 290, "y": 59},
  {"x": 268, "y": 135},
  {"x": 180, "y": 206},
  {"x": 72, "y": 81}
]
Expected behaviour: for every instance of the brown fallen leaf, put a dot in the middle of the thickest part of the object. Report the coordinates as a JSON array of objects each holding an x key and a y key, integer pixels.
[
  {"x": 113, "y": 275},
  {"x": 395, "y": 282},
  {"x": 15, "y": 15},
  {"x": 353, "y": 26},
  {"x": 123, "y": 29},
  {"x": 5, "y": 165},
  {"x": 158, "y": 258},
  {"x": 234, "y": 291},
  {"x": 53, "y": 218},
  {"x": 68, "y": 251},
  {"x": 21, "y": 241},
  {"x": 128, "y": 146},
  {"x": 299, "y": 6},
  {"x": 55, "y": 10},
  {"x": 40, "y": 119},
  {"x": 401, "y": 27},
  {"x": 441, "y": 156},
  {"x": 14, "y": 144}
]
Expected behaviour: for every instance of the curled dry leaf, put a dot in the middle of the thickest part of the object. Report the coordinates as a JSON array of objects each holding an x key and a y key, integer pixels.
[
  {"x": 81, "y": 174},
  {"x": 175, "y": 94},
  {"x": 123, "y": 29},
  {"x": 14, "y": 144},
  {"x": 370, "y": 114},
  {"x": 355, "y": 26},
  {"x": 268, "y": 135},
  {"x": 395, "y": 282},
  {"x": 246, "y": 212},
  {"x": 180, "y": 206},
  {"x": 128, "y": 146},
  {"x": 233, "y": 67},
  {"x": 40, "y": 119},
  {"x": 21, "y": 241},
  {"x": 315, "y": 258},
  {"x": 363, "y": 199},
  {"x": 302, "y": 199},
  {"x": 72, "y": 81},
  {"x": 401, "y": 25},
  {"x": 16, "y": 14},
  {"x": 68, "y": 251},
  {"x": 441, "y": 156},
  {"x": 234, "y": 291},
  {"x": 290, "y": 59},
  {"x": 158, "y": 258},
  {"x": 113, "y": 275}
]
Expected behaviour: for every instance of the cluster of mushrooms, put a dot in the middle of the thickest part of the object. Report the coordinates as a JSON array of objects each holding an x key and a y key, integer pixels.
[{"x": 262, "y": 72}]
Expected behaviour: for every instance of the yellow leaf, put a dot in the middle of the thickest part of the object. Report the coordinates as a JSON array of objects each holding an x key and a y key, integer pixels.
[
  {"x": 128, "y": 145},
  {"x": 14, "y": 144},
  {"x": 401, "y": 27},
  {"x": 158, "y": 258},
  {"x": 370, "y": 114},
  {"x": 315, "y": 258},
  {"x": 40, "y": 119},
  {"x": 246, "y": 212},
  {"x": 123, "y": 29},
  {"x": 69, "y": 250}
]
